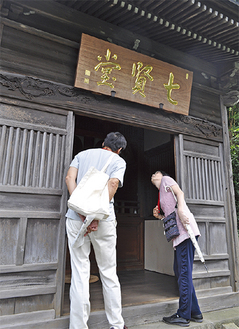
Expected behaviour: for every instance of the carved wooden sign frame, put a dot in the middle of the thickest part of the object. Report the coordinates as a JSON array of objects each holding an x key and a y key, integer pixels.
[{"x": 112, "y": 70}]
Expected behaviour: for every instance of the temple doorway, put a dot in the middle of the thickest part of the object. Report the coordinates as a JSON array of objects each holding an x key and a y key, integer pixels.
[{"x": 146, "y": 152}]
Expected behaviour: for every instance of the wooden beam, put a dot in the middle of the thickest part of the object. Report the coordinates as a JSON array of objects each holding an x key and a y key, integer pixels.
[
  {"x": 230, "y": 207},
  {"x": 30, "y": 214},
  {"x": 24, "y": 318},
  {"x": 29, "y": 126},
  {"x": 29, "y": 190},
  {"x": 212, "y": 274},
  {"x": 60, "y": 274},
  {"x": 27, "y": 323},
  {"x": 21, "y": 241},
  {"x": 28, "y": 268},
  {"x": 107, "y": 108},
  {"x": 38, "y": 33},
  {"x": 90, "y": 25},
  {"x": 14, "y": 292},
  {"x": 1, "y": 31}
]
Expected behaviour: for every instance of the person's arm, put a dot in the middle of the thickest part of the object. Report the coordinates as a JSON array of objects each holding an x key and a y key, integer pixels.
[
  {"x": 71, "y": 179},
  {"x": 180, "y": 197},
  {"x": 113, "y": 185},
  {"x": 71, "y": 183}
]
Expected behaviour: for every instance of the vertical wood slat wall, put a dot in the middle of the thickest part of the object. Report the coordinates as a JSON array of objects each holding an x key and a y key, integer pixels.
[
  {"x": 204, "y": 177},
  {"x": 31, "y": 158},
  {"x": 34, "y": 153},
  {"x": 200, "y": 171}
]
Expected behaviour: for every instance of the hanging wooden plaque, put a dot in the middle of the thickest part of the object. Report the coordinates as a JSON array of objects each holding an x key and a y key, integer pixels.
[{"x": 115, "y": 71}]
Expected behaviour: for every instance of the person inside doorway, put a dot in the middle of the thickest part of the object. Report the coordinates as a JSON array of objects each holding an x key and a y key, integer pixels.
[
  {"x": 101, "y": 234},
  {"x": 189, "y": 309}
]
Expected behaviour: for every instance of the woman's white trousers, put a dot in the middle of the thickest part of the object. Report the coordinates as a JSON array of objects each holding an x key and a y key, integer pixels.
[{"x": 104, "y": 244}]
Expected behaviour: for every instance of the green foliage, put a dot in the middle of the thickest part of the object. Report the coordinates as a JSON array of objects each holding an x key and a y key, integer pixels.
[{"x": 233, "y": 126}]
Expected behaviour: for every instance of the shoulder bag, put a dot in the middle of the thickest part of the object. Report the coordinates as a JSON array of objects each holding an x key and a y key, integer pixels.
[
  {"x": 91, "y": 196},
  {"x": 170, "y": 223}
]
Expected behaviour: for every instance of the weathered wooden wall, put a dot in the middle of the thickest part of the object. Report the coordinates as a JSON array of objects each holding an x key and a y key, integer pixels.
[
  {"x": 34, "y": 156},
  {"x": 38, "y": 72},
  {"x": 200, "y": 171},
  {"x": 51, "y": 52}
]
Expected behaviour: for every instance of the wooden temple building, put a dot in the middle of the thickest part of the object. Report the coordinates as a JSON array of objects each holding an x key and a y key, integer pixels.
[{"x": 162, "y": 72}]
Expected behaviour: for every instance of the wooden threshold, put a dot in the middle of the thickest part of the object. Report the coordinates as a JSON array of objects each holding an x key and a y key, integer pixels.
[{"x": 138, "y": 288}]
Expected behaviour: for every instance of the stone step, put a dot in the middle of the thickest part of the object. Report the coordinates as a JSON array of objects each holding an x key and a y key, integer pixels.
[
  {"x": 137, "y": 315},
  {"x": 221, "y": 319},
  {"x": 230, "y": 326}
]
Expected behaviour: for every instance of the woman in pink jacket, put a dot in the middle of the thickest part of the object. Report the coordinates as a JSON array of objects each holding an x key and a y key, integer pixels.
[{"x": 184, "y": 250}]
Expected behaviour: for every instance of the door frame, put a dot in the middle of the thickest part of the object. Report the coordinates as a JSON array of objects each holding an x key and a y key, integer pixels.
[{"x": 181, "y": 178}]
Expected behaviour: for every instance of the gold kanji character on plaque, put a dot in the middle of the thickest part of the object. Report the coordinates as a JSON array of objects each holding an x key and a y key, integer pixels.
[
  {"x": 141, "y": 77},
  {"x": 106, "y": 69},
  {"x": 169, "y": 87}
]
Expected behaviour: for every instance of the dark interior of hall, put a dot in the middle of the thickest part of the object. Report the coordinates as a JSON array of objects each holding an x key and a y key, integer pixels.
[{"x": 146, "y": 152}]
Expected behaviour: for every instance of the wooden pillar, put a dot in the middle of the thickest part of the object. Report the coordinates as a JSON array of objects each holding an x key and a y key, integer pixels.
[{"x": 230, "y": 207}]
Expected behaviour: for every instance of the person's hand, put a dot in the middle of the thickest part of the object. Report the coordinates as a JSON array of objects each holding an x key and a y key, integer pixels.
[
  {"x": 183, "y": 217},
  {"x": 92, "y": 227},
  {"x": 81, "y": 217},
  {"x": 156, "y": 213}
]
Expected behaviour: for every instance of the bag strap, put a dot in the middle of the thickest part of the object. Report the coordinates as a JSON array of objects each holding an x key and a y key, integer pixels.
[
  {"x": 159, "y": 202},
  {"x": 170, "y": 188},
  {"x": 107, "y": 163}
]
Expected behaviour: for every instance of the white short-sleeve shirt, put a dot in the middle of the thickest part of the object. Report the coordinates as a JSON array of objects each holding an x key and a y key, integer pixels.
[{"x": 98, "y": 158}]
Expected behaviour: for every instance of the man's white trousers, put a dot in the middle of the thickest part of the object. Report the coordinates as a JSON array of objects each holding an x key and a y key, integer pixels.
[{"x": 104, "y": 244}]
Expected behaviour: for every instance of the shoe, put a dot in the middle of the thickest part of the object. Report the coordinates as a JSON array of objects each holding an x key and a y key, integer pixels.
[
  {"x": 197, "y": 318},
  {"x": 123, "y": 328},
  {"x": 176, "y": 319}
]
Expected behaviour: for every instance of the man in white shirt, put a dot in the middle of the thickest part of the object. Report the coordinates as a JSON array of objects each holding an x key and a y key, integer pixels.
[{"x": 102, "y": 235}]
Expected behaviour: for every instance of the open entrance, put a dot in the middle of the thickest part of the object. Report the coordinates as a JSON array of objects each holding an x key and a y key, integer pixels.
[{"x": 144, "y": 258}]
